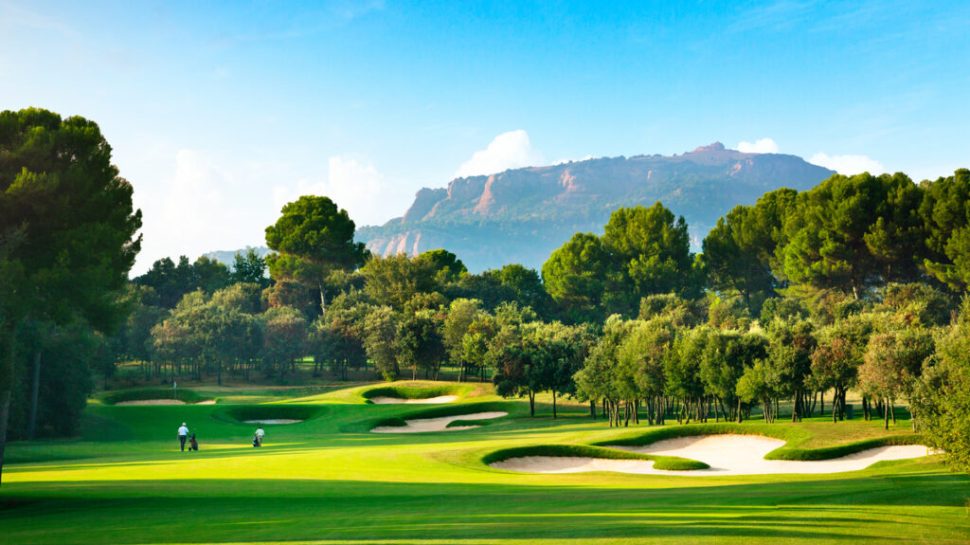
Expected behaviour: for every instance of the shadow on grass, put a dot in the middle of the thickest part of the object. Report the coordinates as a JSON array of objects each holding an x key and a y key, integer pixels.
[{"x": 927, "y": 506}]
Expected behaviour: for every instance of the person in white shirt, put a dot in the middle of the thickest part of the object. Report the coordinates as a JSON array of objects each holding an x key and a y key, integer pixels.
[
  {"x": 258, "y": 437},
  {"x": 183, "y": 435}
]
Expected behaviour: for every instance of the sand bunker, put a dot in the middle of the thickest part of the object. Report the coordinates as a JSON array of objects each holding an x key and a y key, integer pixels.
[
  {"x": 151, "y": 402},
  {"x": 273, "y": 421},
  {"x": 207, "y": 402},
  {"x": 726, "y": 454},
  {"x": 383, "y": 400},
  {"x": 438, "y": 424}
]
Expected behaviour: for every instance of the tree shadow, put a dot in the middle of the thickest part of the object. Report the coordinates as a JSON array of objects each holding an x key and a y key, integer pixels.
[{"x": 865, "y": 509}]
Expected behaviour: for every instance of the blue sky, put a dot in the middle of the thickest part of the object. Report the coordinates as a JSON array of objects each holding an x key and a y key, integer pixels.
[{"x": 221, "y": 112}]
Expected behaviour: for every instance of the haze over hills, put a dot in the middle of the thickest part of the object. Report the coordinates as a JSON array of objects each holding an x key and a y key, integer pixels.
[
  {"x": 522, "y": 215},
  {"x": 228, "y": 257}
]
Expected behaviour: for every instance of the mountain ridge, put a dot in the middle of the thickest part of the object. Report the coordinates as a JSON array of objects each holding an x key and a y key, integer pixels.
[{"x": 521, "y": 215}]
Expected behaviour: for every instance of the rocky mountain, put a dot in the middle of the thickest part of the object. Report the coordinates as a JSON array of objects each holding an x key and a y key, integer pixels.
[{"x": 522, "y": 215}]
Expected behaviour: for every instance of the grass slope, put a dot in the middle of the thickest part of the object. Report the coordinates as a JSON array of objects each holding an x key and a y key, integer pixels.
[
  {"x": 795, "y": 435},
  {"x": 329, "y": 480},
  {"x": 673, "y": 463}
]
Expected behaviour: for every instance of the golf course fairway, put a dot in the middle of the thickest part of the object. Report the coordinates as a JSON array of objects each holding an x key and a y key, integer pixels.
[{"x": 329, "y": 480}]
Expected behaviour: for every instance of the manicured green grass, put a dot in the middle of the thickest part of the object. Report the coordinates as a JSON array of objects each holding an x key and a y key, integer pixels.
[{"x": 329, "y": 480}]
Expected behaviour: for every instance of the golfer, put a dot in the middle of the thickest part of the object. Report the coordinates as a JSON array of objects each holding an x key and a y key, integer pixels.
[
  {"x": 183, "y": 435},
  {"x": 258, "y": 437}
]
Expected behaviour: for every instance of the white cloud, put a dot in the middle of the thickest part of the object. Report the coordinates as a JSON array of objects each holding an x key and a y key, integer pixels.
[
  {"x": 848, "y": 164},
  {"x": 191, "y": 212},
  {"x": 354, "y": 184},
  {"x": 204, "y": 200},
  {"x": 763, "y": 145},
  {"x": 508, "y": 150}
]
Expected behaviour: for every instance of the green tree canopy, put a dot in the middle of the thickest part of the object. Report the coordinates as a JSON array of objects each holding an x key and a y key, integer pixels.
[
  {"x": 250, "y": 268},
  {"x": 576, "y": 276},
  {"x": 942, "y": 400},
  {"x": 945, "y": 212},
  {"x": 67, "y": 230},
  {"x": 311, "y": 239},
  {"x": 851, "y": 232},
  {"x": 739, "y": 250},
  {"x": 652, "y": 247},
  {"x": 643, "y": 251}
]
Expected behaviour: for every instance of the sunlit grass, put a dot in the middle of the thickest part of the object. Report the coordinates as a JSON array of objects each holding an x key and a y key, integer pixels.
[{"x": 328, "y": 480}]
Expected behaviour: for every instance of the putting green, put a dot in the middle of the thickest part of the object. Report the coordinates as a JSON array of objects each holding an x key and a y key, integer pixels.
[{"x": 329, "y": 480}]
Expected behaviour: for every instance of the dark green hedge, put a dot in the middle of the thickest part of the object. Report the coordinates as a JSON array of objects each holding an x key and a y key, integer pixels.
[
  {"x": 436, "y": 412},
  {"x": 143, "y": 394},
  {"x": 241, "y": 413},
  {"x": 408, "y": 392}
]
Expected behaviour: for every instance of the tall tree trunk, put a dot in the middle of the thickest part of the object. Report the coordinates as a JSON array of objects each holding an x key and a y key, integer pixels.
[
  {"x": 34, "y": 397},
  {"x": 554, "y": 403},
  {"x": 592, "y": 409},
  {"x": 532, "y": 403},
  {"x": 7, "y": 336},
  {"x": 323, "y": 302},
  {"x": 4, "y": 417}
]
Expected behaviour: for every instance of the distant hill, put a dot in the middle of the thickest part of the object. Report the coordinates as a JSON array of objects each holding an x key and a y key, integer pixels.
[
  {"x": 228, "y": 257},
  {"x": 522, "y": 215}
]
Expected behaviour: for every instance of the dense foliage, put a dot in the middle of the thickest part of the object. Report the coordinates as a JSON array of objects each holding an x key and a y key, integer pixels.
[
  {"x": 796, "y": 300},
  {"x": 67, "y": 242}
]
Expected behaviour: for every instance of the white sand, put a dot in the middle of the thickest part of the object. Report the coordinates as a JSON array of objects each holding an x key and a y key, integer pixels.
[
  {"x": 207, "y": 402},
  {"x": 438, "y": 424},
  {"x": 422, "y": 401},
  {"x": 152, "y": 402},
  {"x": 726, "y": 454},
  {"x": 273, "y": 421}
]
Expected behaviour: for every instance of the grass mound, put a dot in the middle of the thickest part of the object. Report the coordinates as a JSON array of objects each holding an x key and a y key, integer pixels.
[
  {"x": 405, "y": 391},
  {"x": 435, "y": 412},
  {"x": 670, "y": 463},
  {"x": 463, "y": 423},
  {"x": 793, "y": 436},
  {"x": 144, "y": 394},
  {"x": 838, "y": 451},
  {"x": 242, "y": 413}
]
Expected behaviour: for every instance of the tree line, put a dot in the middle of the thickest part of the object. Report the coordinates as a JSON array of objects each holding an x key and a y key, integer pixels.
[
  {"x": 855, "y": 284},
  {"x": 795, "y": 301}
]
